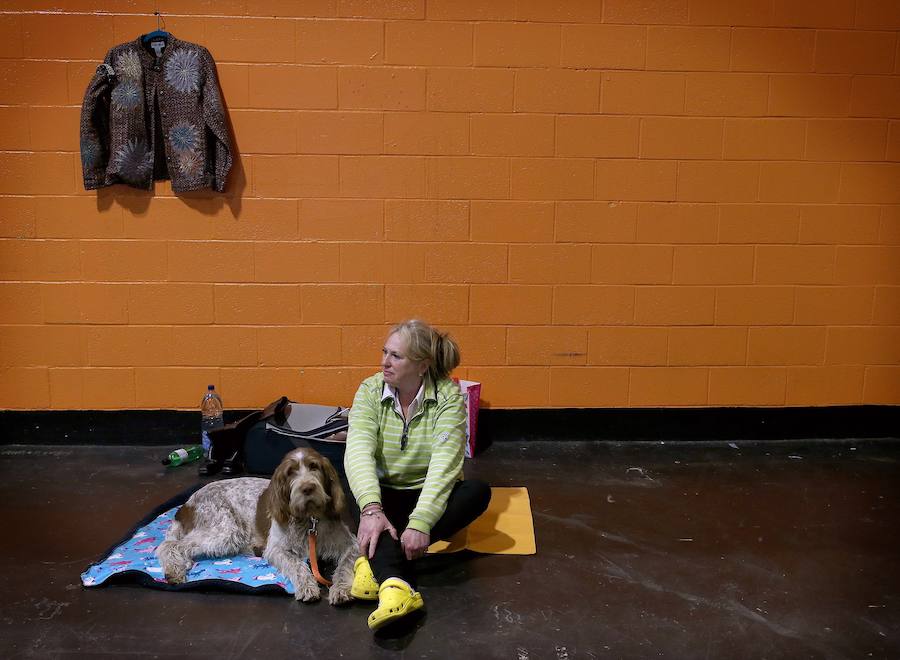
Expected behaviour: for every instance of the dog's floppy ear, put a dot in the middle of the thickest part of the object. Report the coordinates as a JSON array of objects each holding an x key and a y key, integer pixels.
[
  {"x": 278, "y": 493},
  {"x": 338, "y": 503}
]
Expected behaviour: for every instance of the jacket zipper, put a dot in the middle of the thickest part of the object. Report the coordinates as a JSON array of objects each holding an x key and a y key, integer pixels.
[
  {"x": 419, "y": 413},
  {"x": 405, "y": 436}
]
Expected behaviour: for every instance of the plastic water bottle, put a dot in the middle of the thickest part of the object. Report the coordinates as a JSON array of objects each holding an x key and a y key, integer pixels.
[
  {"x": 211, "y": 416},
  {"x": 182, "y": 456}
]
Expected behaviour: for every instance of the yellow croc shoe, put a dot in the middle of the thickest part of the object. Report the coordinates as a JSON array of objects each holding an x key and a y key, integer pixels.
[
  {"x": 395, "y": 599},
  {"x": 364, "y": 585}
]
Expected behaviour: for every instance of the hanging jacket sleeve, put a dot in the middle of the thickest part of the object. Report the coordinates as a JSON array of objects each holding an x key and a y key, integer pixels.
[
  {"x": 95, "y": 126},
  {"x": 219, "y": 152}
]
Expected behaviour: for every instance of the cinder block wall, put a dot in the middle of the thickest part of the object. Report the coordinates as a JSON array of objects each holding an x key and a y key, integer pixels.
[{"x": 609, "y": 204}]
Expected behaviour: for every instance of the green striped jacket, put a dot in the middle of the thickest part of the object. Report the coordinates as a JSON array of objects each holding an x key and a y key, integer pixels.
[{"x": 431, "y": 458}]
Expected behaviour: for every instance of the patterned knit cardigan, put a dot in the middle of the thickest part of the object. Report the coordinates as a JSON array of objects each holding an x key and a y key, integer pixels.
[{"x": 147, "y": 117}]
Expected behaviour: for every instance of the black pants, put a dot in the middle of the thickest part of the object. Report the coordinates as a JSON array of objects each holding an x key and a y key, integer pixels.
[{"x": 468, "y": 500}]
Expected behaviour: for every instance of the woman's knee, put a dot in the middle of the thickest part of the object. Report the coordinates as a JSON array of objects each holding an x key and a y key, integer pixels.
[
  {"x": 478, "y": 495},
  {"x": 485, "y": 494}
]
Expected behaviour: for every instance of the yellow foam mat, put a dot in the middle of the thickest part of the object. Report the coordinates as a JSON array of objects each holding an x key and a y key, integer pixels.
[{"x": 506, "y": 528}]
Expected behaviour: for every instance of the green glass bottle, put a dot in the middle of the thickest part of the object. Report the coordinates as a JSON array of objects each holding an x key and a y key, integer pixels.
[{"x": 182, "y": 456}]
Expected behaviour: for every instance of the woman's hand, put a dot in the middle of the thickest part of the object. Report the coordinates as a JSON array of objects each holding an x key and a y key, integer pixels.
[
  {"x": 414, "y": 543},
  {"x": 370, "y": 529}
]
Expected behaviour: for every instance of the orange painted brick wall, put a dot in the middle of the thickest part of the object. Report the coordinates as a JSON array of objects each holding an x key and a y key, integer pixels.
[{"x": 609, "y": 204}]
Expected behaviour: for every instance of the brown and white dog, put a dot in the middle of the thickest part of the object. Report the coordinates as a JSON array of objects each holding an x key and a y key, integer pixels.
[{"x": 272, "y": 518}]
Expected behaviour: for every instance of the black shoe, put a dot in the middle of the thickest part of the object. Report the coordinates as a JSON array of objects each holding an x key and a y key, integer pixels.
[
  {"x": 232, "y": 465},
  {"x": 209, "y": 467}
]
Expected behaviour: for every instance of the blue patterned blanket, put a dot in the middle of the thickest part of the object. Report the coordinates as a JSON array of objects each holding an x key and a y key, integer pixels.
[{"x": 133, "y": 560}]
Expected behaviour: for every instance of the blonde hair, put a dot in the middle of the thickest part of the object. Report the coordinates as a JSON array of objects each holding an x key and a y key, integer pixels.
[{"x": 425, "y": 344}]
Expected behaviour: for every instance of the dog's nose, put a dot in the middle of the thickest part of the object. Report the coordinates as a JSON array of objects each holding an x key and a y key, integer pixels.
[{"x": 308, "y": 489}]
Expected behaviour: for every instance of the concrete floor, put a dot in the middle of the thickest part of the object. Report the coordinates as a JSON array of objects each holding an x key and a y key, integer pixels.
[{"x": 675, "y": 550}]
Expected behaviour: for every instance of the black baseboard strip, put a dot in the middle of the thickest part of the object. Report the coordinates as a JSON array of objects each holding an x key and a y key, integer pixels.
[
  {"x": 103, "y": 427},
  {"x": 174, "y": 427},
  {"x": 831, "y": 422}
]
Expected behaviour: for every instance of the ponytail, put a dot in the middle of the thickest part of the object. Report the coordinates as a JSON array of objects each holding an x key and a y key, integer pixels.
[{"x": 446, "y": 356}]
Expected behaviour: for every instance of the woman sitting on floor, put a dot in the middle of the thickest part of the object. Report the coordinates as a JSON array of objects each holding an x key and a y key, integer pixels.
[{"x": 404, "y": 462}]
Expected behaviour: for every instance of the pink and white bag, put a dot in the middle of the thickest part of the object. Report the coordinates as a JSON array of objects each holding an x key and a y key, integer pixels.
[{"x": 472, "y": 395}]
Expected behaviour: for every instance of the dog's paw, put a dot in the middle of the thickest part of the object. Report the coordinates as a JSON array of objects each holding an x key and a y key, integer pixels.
[
  {"x": 175, "y": 572},
  {"x": 307, "y": 591},
  {"x": 176, "y": 578},
  {"x": 338, "y": 596}
]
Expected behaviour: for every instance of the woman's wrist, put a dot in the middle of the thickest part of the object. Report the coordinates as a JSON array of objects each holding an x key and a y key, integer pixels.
[{"x": 372, "y": 509}]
